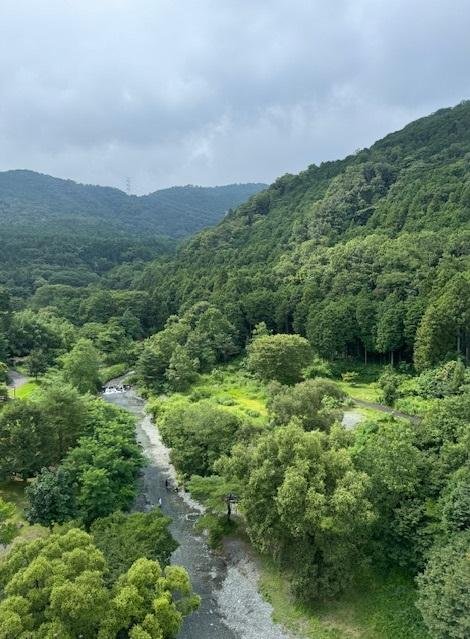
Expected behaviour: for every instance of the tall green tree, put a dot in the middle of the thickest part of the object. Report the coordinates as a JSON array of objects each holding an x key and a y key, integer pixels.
[
  {"x": 279, "y": 357},
  {"x": 56, "y": 587},
  {"x": 81, "y": 367},
  {"x": 305, "y": 504}
]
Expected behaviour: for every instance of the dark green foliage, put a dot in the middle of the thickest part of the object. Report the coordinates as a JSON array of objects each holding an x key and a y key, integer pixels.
[
  {"x": 51, "y": 498},
  {"x": 125, "y": 538},
  {"x": 444, "y": 590},
  {"x": 25, "y": 440},
  {"x": 96, "y": 477},
  {"x": 313, "y": 403},
  {"x": 31, "y": 199},
  {"x": 456, "y": 502},
  {"x": 201, "y": 337},
  {"x": 198, "y": 435},
  {"x": 367, "y": 256}
]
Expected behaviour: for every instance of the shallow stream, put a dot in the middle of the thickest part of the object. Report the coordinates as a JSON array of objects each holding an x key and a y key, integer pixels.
[{"x": 231, "y": 606}]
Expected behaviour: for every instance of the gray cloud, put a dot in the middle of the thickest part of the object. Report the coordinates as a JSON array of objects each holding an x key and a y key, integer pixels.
[{"x": 214, "y": 91}]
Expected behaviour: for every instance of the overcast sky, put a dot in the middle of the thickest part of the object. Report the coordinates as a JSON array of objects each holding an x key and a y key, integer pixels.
[{"x": 216, "y": 91}]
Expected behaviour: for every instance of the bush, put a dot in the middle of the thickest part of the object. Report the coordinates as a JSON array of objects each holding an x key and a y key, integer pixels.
[
  {"x": 350, "y": 377},
  {"x": 389, "y": 382},
  {"x": 318, "y": 368}
]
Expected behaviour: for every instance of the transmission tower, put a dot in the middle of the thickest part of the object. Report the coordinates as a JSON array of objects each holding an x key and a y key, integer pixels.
[{"x": 128, "y": 185}]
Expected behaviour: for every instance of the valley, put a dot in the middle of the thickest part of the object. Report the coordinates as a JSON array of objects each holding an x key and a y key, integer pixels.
[{"x": 291, "y": 458}]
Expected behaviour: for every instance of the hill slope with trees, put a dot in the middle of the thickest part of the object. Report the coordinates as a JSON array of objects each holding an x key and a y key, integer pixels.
[
  {"x": 365, "y": 256},
  {"x": 29, "y": 199}
]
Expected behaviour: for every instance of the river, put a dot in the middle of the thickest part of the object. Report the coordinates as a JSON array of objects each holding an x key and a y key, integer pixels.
[{"x": 231, "y": 606}]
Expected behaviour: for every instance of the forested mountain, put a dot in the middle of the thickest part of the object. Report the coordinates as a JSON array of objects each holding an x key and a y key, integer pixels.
[
  {"x": 366, "y": 255},
  {"x": 29, "y": 199},
  {"x": 62, "y": 232}
]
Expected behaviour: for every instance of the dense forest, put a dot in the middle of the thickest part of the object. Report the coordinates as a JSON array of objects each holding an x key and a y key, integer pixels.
[
  {"x": 60, "y": 232},
  {"x": 29, "y": 199},
  {"x": 366, "y": 256},
  {"x": 344, "y": 289}
]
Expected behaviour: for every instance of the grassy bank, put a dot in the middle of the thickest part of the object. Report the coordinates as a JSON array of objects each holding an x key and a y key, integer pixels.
[
  {"x": 24, "y": 391},
  {"x": 14, "y": 492},
  {"x": 379, "y": 607}
]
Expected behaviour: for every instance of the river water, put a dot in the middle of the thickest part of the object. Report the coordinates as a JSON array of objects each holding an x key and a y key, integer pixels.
[{"x": 231, "y": 606}]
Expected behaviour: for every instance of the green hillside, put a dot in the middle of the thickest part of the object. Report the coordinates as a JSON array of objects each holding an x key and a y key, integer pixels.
[
  {"x": 365, "y": 256},
  {"x": 60, "y": 232},
  {"x": 31, "y": 199}
]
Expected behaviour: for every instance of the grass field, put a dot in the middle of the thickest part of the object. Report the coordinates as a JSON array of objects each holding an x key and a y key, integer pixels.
[
  {"x": 24, "y": 391},
  {"x": 379, "y": 607},
  {"x": 13, "y": 491},
  {"x": 230, "y": 389}
]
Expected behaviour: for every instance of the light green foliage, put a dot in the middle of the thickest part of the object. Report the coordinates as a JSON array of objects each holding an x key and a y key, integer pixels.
[
  {"x": 444, "y": 587},
  {"x": 304, "y": 503},
  {"x": 389, "y": 383},
  {"x": 350, "y": 377},
  {"x": 307, "y": 402},
  {"x": 55, "y": 587},
  {"x": 81, "y": 367},
  {"x": 318, "y": 368},
  {"x": 279, "y": 357},
  {"x": 445, "y": 380},
  {"x": 8, "y": 527}
]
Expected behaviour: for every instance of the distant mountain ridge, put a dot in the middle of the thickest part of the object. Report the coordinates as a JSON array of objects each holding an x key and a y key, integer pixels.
[{"x": 29, "y": 199}]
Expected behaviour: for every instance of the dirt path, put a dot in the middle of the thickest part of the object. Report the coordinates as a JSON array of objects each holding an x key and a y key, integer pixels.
[
  {"x": 17, "y": 380},
  {"x": 386, "y": 409}
]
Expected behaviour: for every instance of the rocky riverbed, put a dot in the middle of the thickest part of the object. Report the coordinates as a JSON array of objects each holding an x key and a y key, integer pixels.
[{"x": 231, "y": 606}]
